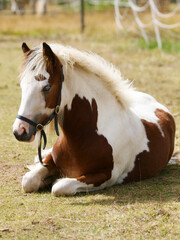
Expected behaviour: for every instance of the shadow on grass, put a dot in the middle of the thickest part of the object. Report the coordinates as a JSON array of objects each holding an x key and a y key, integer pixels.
[{"x": 162, "y": 188}]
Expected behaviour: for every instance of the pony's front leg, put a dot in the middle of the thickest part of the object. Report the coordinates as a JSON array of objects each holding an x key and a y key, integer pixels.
[
  {"x": 35, "y": 179},
  {"x": 87, "y": 183},
  {"x": 44, "y": 154}
]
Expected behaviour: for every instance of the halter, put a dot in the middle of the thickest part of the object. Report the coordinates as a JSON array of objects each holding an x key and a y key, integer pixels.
[{"x": 40, "y": 126}]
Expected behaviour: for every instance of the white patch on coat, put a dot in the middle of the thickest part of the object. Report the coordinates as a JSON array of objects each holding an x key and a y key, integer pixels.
[
  {"x": 32, "y": 99},
  {"x": 145, "y": 106}
]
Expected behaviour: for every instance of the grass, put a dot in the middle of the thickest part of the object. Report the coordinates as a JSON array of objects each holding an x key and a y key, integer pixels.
[
  {"x": 142, "y": 210},
  {"x": 169, "y": 46}
]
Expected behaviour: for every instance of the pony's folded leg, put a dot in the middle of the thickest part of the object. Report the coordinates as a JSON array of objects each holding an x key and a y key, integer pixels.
[
  {"x": 68, "y": 186},
  {"x": 40, "y": 176},
  {"x": 88, "y": 183},
  {"x": 32, "y": 181}
]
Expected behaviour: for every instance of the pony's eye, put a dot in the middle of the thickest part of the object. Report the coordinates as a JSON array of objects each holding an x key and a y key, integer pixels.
[{"x": 46, "y": 88}]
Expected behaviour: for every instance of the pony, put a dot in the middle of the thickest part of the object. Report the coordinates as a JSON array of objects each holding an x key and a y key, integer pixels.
[{"x": 110, "y": 132}]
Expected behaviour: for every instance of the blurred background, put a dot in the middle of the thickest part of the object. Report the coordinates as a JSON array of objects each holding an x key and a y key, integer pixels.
[{"x": 153, "y": 20}]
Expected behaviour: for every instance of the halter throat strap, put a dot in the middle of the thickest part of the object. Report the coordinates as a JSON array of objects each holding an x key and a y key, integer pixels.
[{"x": 40, "y": 126}]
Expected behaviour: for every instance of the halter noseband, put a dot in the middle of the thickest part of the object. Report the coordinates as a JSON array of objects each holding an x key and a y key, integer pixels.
[{"x": 40, "y": 126}]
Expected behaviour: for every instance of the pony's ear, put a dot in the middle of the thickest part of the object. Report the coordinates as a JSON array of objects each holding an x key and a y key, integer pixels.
[
  {"x": 25, "y": 48},
  {"x": 48, "y": 53}
]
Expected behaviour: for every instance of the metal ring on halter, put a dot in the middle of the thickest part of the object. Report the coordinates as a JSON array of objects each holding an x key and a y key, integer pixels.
[
  {"x": 57, "y": 109},
  {"x": 39, "y": 127}
]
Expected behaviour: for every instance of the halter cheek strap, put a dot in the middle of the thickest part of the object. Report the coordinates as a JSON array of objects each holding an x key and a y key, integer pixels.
[{"x": 40, "y": 126}]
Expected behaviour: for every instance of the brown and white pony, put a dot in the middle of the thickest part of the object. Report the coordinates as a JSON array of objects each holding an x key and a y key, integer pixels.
[{"x": 110, "y": 133}]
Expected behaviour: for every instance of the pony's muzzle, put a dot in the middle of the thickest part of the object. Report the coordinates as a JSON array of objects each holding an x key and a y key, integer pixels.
[
  {"x": 24, "y": 137},
  {"x": 23, "y": 132}
]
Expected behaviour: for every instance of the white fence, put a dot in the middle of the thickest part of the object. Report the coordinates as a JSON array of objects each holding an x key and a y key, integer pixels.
[{"x": 155, "y": 21}]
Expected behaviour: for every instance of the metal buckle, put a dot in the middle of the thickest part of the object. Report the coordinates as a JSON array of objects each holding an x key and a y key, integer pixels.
[
  {"x": 57, "y": 109},
  {"x": 39, "y": 127}
]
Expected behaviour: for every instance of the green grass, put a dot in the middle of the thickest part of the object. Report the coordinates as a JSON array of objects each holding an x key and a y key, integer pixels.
[
  {"x": 142, "y": 210},
  {"x": 170, "y": 46},
  {"x": 103, "y": 5}
]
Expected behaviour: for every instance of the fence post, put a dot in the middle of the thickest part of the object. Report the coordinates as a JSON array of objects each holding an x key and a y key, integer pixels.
[{"x": 82, "y": 16}]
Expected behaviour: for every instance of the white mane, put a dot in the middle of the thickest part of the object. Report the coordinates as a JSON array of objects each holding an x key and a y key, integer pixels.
[{"x": 72, "y": 58}]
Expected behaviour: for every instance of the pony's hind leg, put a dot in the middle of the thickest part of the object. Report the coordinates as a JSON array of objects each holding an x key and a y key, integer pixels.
[
  {"x": 68, "y": 186},
  {"x": 87, "y": 183},
  {"x": 40, "y": 176}
]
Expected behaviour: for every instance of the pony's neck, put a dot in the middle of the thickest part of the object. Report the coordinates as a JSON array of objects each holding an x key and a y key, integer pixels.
[
  {"x": 88, "y": 87},
  {"x": 85, "y": 85}
]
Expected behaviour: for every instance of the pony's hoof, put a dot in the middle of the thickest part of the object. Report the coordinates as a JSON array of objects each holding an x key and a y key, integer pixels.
[
  {"x": 56, "y": 191},
  {"x": 64, "y": 186},
  {"x": 30, "y": 183}
]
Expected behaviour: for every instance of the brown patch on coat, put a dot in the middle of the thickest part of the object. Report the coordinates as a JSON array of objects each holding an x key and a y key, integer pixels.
[
  {"x": 51, "y": 165},
  {"x": 54, "y": 70},
  {"x": 41, "y": 118},
  {"x": 80, "y": 152},
  {"x": 149, "y": 164},
  {"x": 40, "y": 77}
]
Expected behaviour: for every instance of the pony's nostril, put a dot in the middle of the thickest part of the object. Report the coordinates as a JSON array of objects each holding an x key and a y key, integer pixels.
[
  {"x": 24, "y": 132},
  {"x": 20, "y": 137},
  {"x": 16, "y": 134}
]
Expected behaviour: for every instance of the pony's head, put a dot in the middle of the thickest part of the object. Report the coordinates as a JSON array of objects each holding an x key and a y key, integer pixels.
[{"x": 40, "y": 83}]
